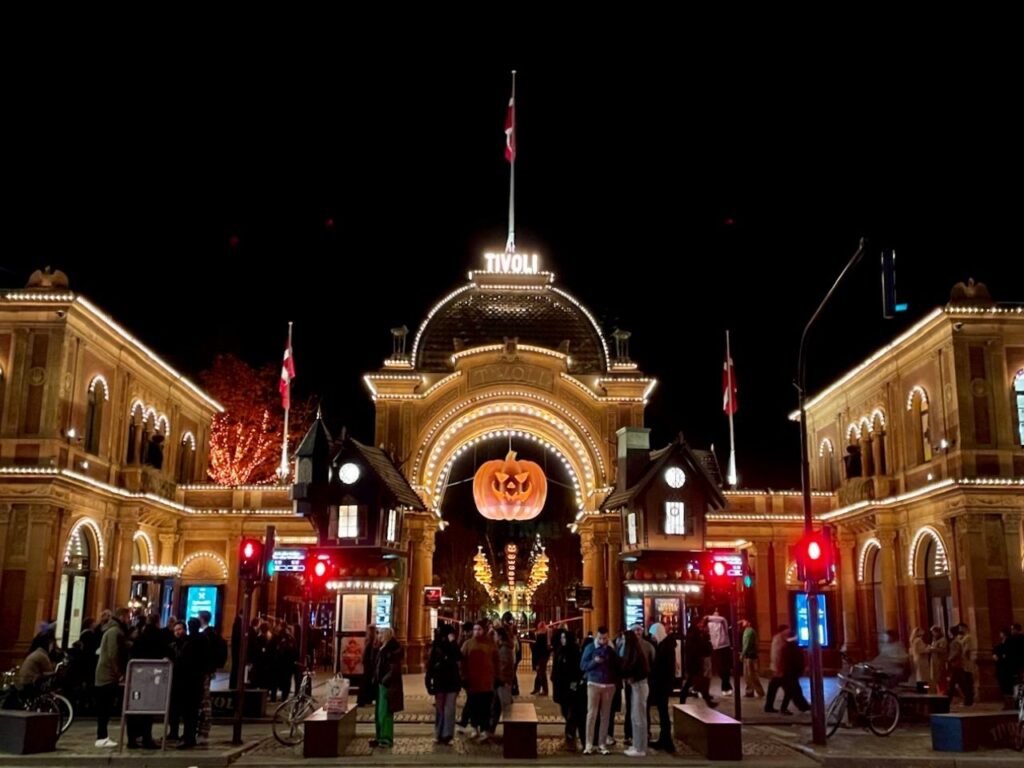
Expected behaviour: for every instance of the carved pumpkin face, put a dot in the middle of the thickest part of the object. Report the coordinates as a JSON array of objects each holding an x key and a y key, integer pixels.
[{"x": 507, "y": 489}]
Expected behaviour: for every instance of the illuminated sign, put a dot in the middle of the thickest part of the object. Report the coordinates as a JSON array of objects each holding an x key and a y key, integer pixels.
[
  {"x": 432, "y": 597},
  {"x": 803, "y": 627},
  {"x": 382, "y": 611},
  {"x": 289, "y": 560},
  {"x": 732, "y": 562},
  {"x": 512, "y": 263},
  {"x": 201, "y": 598}
]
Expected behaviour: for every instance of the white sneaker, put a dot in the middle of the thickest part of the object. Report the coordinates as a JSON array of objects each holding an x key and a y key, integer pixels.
[
  {"x": 470, "y": 732},
  {"x": 609, "y": 742},
  {"x": 727, "y": 693},
  {"x": 603, "y": 751},
  {"x": 107, "y": 742},
  {"x": 484, "y": 736},
  {"x": 461, "y": 729},
  {"x": 589, "y": 750},
  {"x": 634, "y": 753}
]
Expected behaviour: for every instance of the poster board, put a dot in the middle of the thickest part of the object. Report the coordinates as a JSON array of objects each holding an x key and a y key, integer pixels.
[
  {"x": 147, "y": 691},
  {"x": 352, "y": 655},
  {"x": 353, "y": 613}
]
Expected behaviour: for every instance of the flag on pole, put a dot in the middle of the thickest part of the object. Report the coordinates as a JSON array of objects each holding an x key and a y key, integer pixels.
[
  {"x": 510, "y": 129},
  {"x": 729, "y": 404},
  {"x": 287, "y": 374}
]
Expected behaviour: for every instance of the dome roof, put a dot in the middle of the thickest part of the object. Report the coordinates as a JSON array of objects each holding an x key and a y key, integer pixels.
[{"x": 542, "y": 316}]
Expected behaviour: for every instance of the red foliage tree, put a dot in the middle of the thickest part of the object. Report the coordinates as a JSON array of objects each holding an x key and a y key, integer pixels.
[{"x": 245, "y": 440}]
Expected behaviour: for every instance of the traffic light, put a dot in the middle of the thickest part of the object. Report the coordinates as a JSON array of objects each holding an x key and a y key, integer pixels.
[
  {"x": 250, "y": 559},
  {"x": 815, "y": 557},
  {"x": 319, "y": 568},
  {"x": 889, "y": 304}
]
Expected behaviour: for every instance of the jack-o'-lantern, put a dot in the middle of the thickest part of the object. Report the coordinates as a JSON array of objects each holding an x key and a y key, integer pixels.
[{"x": 510, "y": 489}]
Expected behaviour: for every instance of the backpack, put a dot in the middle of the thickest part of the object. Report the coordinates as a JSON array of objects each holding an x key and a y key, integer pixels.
[{"x": 217, "y": 650}]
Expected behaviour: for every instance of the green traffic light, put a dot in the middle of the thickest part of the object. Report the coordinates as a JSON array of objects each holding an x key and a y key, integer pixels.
[
  {"x": 271, "y": 567},
  {"x": 748, "y": 581}
]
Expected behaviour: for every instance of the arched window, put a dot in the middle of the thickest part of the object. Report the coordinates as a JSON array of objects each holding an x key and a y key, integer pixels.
[
  {"x": 827, "y": 465},
  {"x": 148, "y": 425},
  {"x": 1018, "y": 396},
  {"x": 135, "y": 417},
  {"x": 186, "y": 458},
  {"x": 98, "y": 395},
  {"x": 920, "y": 424},
  {"x": 867, "y": 456},
  {"x": 878, "y": 441}
]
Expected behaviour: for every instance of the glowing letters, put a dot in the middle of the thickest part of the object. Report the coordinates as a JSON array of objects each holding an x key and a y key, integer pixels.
[{"x": 512, "y": 263}]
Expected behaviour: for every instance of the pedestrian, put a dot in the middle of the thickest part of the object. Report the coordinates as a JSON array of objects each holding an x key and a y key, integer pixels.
[
  {"x": 749, "y": 651},
  {"x": 566, "y": 681},
  {"x": 443, "y": 681},
  {"x": 110, "y": 666},
  {"x": 390, "y": 694},
  {"x": 775, "y": 660},
  {"x": 541, "y": 653},
  {"x": 635, "y": 669},
  {"x": 662, "y": 681},
  {"x": 479, "y": 668},
  {"x": 721, "y": 645},
  {"x": 792, "y": 671},
  {"x": 698, "y": 652},
  {"x": 368, "y": 686},
  {"x": 938, "y": 653},
  {"x": 598, "y": 662}
]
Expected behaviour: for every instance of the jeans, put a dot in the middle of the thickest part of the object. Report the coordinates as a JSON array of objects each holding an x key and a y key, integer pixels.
[
  {"x": 105, "y": 695},
  {"x": 638, "y": 715},
  {"x": 599, "y": 699},
  {"x": 444, "y": 720}
]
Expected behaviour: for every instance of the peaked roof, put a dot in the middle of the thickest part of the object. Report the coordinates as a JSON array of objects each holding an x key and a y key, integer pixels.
[
  {"x": 382, "y": 466},
  {"x": 317, "y": 440},
  {"x": 678, "y": 448}
]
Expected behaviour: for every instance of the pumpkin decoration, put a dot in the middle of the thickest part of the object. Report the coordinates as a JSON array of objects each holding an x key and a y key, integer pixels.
[{"x": 510, "y": 489}]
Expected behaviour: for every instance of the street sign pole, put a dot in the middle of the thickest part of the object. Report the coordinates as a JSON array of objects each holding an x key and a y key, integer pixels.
[{"x": 243, "y": 652}]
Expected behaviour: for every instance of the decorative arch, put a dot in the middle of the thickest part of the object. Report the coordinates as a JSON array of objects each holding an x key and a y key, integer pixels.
[
  {"x": 100, "y": 381},
  {"x": 189, "y": 438},
  {"x": 878, "y": 415},
  {"x": 93, "y": 527},
  {"x": 791, "y": 574},
  {"x": 915, "y": 559},
  {"x": 865, "y": 427},
  {"x": 149, "y": 416},
  {"x": 853, "y": 433},
  {"x": 136, "y": 406},
  {"x": 869, "y": 546},
  {"x": 204, "y": 564},
  {"x": 147, "y": 548},
  {"x": 825, "y": 447},
  {"x": 917, "y": 391},
  {"x": 163, "y": 425}
]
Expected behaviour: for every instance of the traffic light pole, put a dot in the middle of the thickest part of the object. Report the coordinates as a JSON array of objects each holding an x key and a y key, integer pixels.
[
  {"x": 811, "y": 585},
  {"x": 243, "y": 655}
]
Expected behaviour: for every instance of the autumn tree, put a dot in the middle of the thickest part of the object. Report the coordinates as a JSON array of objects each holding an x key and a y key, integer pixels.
[{"x": 245, "y": 440}]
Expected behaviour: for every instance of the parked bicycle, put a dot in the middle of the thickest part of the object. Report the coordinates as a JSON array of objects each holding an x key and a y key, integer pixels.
[
  {"x": 864, "y": 696},
  {"x": 44, "y": 698},
  {"x": 289, "y": 717}
]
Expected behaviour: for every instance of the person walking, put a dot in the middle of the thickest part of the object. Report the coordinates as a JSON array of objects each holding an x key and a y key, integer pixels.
[
  {"x": 751, "y": 671},
  {"x": 390, "y": 694},
  {"x": 775, "y": 660}
]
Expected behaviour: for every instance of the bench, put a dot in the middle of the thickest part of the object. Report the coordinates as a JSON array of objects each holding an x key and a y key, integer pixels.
[
  {"x": 25, "y": 733},
  {"x": 329, "y": 735},
  {"x": 915, "y": 705},
  {"x": 519, "y": 737},
  {"x": 714, "y": 735},
  {"x": 966, "y": 731}
]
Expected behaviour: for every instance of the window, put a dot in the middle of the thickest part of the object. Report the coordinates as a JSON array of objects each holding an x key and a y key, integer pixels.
[
  {"x": 348, "y": 521},
  {"x": 186, "y": 457},
  {"x": 920, "y": 419},
  {"x": 631, "y": 528},
  {"x": 1018, "y": 396},
  {"x": 675, "y": 521},
  {"x": 392, "y": 532},
  {"x": 98, "y": 395}
]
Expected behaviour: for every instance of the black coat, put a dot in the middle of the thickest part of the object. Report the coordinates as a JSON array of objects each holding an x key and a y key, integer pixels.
[
  {"x": 443, "y": 668},
  {"x": 565, "y": 672},
  {"x": 389, "y": 674},
  {"x": 663, "y": 673}
]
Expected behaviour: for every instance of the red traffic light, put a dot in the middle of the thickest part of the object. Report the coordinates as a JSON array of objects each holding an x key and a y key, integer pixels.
[
  {"x": 320, "y": 569},
  {"x": 813, "y": 550},
  {"x": 718, "y": 568},
  {"x": 250, "y": 559}
]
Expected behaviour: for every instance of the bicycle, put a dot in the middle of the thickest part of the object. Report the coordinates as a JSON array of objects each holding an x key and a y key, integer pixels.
[
  {"x": 289, "y": 717},
  {"x": 44, "y": 698},
  {"x": 864, "y": 695}
]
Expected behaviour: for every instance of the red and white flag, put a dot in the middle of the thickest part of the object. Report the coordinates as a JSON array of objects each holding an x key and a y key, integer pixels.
[
  {"x": 510, "y": 129},
  {"x": 287, "y": 374},
  {"x": 729, "y": 404}
]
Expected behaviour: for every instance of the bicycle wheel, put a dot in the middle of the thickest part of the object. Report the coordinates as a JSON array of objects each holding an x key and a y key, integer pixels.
[
  {"x": 288, "y": 720},
  {"x": 883, "y": 713},
  {"x": 67, "y": 711},
  {"x": 836, "y": 713},
  {"x": 47, "y": 704}
]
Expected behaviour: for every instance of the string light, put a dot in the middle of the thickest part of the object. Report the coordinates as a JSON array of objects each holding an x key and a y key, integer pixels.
[{"x": 99, "y": 379}]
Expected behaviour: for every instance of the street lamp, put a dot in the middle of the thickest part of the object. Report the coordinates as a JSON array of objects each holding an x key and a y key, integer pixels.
[{"x": 811, "y": 585}]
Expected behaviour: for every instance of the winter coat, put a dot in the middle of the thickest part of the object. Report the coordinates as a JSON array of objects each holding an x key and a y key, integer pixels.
[
  {"x": 718, "y": 629},
  {"x": 479, "y": 665},
  {"x": 443, "y": 668},
  {"x": 566, "y": 677},
  {"x": 506, "y": 663},
  {"x": 792, "y": 661},
  {"x": 110, "y": 665},
  {"x": 698, "y": 648},
  {"x": 541, "y": 651},
  {"x": 389, "y": 674},
  {"x": 663, "y": 673}
]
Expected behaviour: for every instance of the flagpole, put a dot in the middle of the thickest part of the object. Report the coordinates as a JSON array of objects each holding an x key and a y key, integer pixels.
[
  {"x": 510, "y": 244},
  {"x": 731, "y": 477},
  {"x": 282, "y": 471}
]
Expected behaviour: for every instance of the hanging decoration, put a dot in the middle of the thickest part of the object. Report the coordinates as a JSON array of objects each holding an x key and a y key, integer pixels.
[{"x": 510, "y": 489}]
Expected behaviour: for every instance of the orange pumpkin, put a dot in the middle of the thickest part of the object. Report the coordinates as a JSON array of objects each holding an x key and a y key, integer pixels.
[{"x": 509, "y": 489}]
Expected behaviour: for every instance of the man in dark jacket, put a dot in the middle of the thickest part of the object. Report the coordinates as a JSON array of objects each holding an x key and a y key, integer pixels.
[
  {"x": 541, "y": 653},
  {"x": 443, "y": 681},
  {"x": 792, "y": 670},
  {"x": 662, "y": 680}
]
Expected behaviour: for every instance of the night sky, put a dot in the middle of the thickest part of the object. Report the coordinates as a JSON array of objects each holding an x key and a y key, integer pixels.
[{"x": 204, "y": 210}]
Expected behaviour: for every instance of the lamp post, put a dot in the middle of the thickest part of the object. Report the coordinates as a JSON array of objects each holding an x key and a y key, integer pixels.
[{"x": 811, "y": 585}]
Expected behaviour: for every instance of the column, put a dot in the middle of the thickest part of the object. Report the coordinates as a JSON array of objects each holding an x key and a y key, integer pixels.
[
  {"x": 890, "y": 582},
  {"x": 1011, "y": 526},
  {"x": 599, "y": 616},
  {"x": 168, "y": 543},
  {"x": 588, "y": 551},
  {"x": 614, "y": 586},
  {"x": 121, "y": 562},
  {"x": 38, "y": 599},
  {"x": 848, "y": 592},
  {"x": 421, "y": 533}
]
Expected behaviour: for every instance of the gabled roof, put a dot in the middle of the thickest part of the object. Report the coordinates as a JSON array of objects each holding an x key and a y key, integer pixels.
[
  {"x": 678, "y": 449},
  {"x": 317, "y": 441},
  {"x": 382, "y": 466}
]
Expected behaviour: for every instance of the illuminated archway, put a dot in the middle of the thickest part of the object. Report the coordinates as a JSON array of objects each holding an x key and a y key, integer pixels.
[
  {"x": 916, "y": 558},
  {"x": 146, "y": 550},
  {"x": 204, "y": 565},
  {"x": 870, "y": 546},
  {"x": 76, "y": 531}
]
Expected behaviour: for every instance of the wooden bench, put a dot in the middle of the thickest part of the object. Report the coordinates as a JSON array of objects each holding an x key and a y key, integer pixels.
[
  {"x": 25, "y": 733},
  {"x": 519, "y": 737},
  {"x": 966, "y": 731},
  {"x": 329, "y": 735},
  {"x": 915, "y": 705},
  {"x": 714, "y": 735}
]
